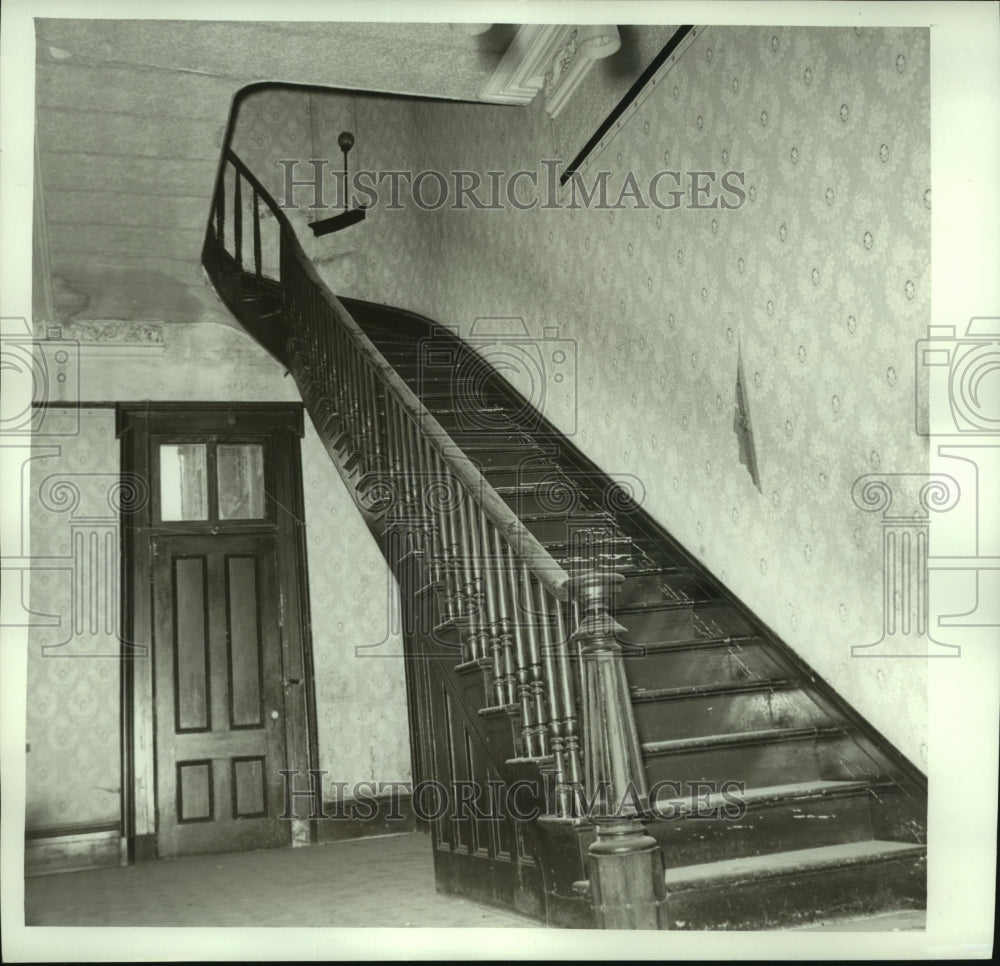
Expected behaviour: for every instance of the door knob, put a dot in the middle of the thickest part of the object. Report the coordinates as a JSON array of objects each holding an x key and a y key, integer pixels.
[{"x": 274, "y": 715}]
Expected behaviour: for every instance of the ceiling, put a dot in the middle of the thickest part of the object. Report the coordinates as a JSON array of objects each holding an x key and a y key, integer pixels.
[{"x": 130, "y": 120}]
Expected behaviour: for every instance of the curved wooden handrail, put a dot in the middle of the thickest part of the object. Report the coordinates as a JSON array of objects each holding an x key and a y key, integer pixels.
[{"x": 527, "y": 547}]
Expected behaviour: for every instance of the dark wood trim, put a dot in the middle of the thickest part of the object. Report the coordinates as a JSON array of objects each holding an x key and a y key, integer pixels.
[
  {"x": 206, "y": 416},
  {"x": 141, "y": 848},
  {"x": 302, "y": 607},
  {"x": 623, "y": 105},
  {"x": 280, "y": 410},
  {"x": 418, "y": 695},
  {"x": 71, "y": 849},
  {"x": 393, "y": 815},
  {"x": 83, "y": 404},
  {"x": 77, "y": 828},
  {"x": 282, "y": 426}
]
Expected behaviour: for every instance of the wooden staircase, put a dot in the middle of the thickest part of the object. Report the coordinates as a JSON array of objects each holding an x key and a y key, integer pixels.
[
  {"x": 779, "y": 805},
  {"x": 770, "y": 800}
]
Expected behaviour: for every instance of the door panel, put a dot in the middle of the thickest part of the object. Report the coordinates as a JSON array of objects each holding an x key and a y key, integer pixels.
[{"x": 219, "y": 694}]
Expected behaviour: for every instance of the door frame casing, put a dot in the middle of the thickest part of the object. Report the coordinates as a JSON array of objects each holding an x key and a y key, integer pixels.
[{"x": 137, "y": 424}]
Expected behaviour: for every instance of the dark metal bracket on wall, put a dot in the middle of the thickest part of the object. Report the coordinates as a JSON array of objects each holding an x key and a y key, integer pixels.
[
  {"x": 623, "y": 105},
  {"x": 347, "y": 217}
]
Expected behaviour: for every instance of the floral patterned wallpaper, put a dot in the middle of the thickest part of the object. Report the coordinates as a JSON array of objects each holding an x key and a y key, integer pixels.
[
  {"x": 73, "y": 766},
  {"x": 607, "y": 82},
  {"x": 820, "y": 281}
]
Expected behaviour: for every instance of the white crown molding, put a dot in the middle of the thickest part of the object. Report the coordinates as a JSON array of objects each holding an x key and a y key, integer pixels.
[{"x": 553, "y": 58}]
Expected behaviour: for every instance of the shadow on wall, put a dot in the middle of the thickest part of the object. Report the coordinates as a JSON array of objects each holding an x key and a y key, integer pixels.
[{"x": 131, "y": 294}]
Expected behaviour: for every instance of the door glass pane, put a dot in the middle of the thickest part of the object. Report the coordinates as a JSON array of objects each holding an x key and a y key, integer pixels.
[
  {"x": 183, "y": 484},
  {"x": 241, "y": 481}
]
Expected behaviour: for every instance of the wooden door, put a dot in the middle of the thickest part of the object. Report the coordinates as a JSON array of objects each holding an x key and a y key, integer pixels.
[{"x": 220, "y": 716}]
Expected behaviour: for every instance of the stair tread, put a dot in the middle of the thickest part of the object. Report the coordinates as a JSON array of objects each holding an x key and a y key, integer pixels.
[
  {"x": 588, "y": 516},
  {"x": 738, "y": 738},
  {"x": 696, "y": 642},
  {"x": 465, "y": 411},
  {"x": 722, "y": 689},
  {"x": 767, "y": 793},
  {"x": 528, "y": 486},
  {"x": 787, "y": 863},
  {"x": 666, "y": 603}
]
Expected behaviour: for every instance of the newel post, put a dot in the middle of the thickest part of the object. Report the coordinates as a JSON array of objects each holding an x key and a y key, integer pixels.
[{"x": 625, "y": 864}]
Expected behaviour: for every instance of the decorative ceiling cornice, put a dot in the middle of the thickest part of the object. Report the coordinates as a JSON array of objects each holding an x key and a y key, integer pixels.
[
  {"x": 552, "y": 58},
  {"x": 104, "y": 338},
  {"x": 113, "y": 332}
]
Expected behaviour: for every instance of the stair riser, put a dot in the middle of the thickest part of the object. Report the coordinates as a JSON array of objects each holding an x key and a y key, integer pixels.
[
  {"x": 760, "y": 765},
  {"x": 574, "y": 563},
  {"x": 570, "y": 530},
  {"x": 485, "y": 421},
  {"x": 797, "y": 899},
  {"x": 897, "y": 816},
  {"x": 448, "y": 382},
  {"x": 775, "y": 827},
  {"x": 722, "y": 664},
  {"x": 722, "y": 619},
  {"x": 514, "y": 454},
  {"x": 669, "y": 719},
  {"x": 667, "y": 623},
  {"x": 650, "y": 588},
  {"x": 479, "y": 437},
  {"x": 520, "y": 473},
  {"x": 546, "y": 499}
]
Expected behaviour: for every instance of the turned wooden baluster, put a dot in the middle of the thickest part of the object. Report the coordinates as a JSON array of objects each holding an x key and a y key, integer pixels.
[
  {"x": 256, "y": 239},
  {"x": 481, "y": 567},
  {"x": 312, "y": 351},
  {"x": 402, "y": 497},
  {"x": 328, "y": 381},
  {"x": 464, "y": 572},
  {"x": 366, "y": 422},
  {"x": 339, "y": 381},
  {"x": 417, "y": 483},
  {"x": 494, "y": 644},
  {"x": 339, "y": 377},
  {"x": 626, "y": 865},
  {"x": 374, "y": 393},
  {"x": 505, "y": 618},
  {"x": 521, "y": 656},
  {"x": 446, "y": 540},
  {"x": 434, "y": 497},
  {"x": 478, "y": 636},
  {"x": 296, "y": 309},
  {"x": 567, "y": 675},
  {"x": 220, "y": 207},
  {"x": 323, "y": 381},
  {"x": 535, "y": 679},
  {"x": 555, "y": 699},
  {"x": 324, "y": 377},
  {"x": 355, "y": 420},
  {"x": 290, "y": 308},
  {"x": 238, "y": 219}
]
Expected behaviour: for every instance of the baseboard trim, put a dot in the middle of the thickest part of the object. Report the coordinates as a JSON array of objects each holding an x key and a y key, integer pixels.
[
  {"x": 71, "y": 849},
  {"x": 361, "y": 818}
]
